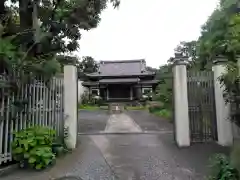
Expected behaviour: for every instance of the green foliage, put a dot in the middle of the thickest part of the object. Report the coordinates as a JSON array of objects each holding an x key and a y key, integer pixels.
[
  {"x": 85, "y": 98},
  {"x": 28, "y": 49},
  {"x": 135, "y": 107},
  {"x": 86, "y": 66},
  {"x": 89, "y": 99},
  {"x": 220, "y": 34},
  {"x": 164, "y": 90},
  {"x": 164, "y": 113},
  {"x": 235, "y": 156},
  {"x": 33, "y": 147},
  {"x": 154, "y": 107},
  {"x": 231, "y": 82},
  {"x": 88, "y": 107},
  {"x": 221, "y": 169}
]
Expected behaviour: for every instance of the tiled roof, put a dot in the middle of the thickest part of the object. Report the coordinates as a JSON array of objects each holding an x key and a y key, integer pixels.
[
  {"x": 113, "y": 81},
  {"x": 122, "y": 68}
]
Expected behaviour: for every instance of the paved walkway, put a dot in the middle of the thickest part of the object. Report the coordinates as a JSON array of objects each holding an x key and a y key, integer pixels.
[
  {"x": 121, "y": 123},
  {"x": 128, "y": 156}
]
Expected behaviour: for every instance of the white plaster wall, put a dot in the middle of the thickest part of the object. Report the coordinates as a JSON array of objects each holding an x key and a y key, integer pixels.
[
  {"x": 81, "y": 90},
  {"x": 224, "y": 126}
]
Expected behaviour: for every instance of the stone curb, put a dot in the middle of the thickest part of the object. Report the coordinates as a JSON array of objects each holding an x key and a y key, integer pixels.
[{"x": 126, "y": 133}]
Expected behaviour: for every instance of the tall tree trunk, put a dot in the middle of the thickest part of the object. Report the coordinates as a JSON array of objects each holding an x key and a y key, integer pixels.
[
  {"x": 2, "y": 7},
  {"x": 25, "y": 13},
  {"x": 36, "y": 26}
]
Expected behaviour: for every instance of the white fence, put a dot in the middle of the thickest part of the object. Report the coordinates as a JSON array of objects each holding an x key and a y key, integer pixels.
[{"x": 43, "y": 106}]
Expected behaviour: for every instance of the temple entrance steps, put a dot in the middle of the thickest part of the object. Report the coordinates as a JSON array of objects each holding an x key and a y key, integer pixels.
[
  {"x": 115, "y": 108},
  {"x": 119, "y": 107}
]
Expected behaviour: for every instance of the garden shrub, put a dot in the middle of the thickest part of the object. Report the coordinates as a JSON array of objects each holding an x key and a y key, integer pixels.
[
  {"x": 235, "y": 156},
  {"x": 165, "y": 113},
  {"x": 221, "y": 169},
  {"x": 154, "y": 107},
  {"x": 32, "y": 147}
]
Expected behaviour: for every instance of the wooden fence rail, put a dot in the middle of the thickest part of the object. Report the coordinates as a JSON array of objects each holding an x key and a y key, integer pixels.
[{"x": 44, "y": 106}]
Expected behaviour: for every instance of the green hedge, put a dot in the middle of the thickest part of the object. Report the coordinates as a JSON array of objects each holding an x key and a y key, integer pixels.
[
  {"x": 155, "y": 108},
  {"x": 164, "y": 113}
]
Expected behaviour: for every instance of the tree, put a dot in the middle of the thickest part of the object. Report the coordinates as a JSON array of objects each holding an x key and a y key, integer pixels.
[
  {"x": 35, "y": 44},
  {"x": 220, "y": 34},
  {"x": 151, "y": 69},
  {"x": 60, "y": 20},
  {"x": 188, "y": 49},
  {"x": 88, "y": 65},
  {"x": 33, "y": 32}
]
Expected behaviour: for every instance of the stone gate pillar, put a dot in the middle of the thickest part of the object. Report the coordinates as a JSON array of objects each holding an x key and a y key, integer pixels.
[
  {"x": 224, "y": 125},
  {"x": 181, "y": 117},
  {"x": 70, "y": 105}
]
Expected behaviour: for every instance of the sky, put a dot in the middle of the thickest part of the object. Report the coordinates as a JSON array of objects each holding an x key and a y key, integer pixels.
[{"x": 145, "y": 29}]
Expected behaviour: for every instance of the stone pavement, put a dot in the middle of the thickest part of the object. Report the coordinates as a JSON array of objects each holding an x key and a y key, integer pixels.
[
  {"x": 129, "y": 156},
  {"x": 121, "y": 123}
]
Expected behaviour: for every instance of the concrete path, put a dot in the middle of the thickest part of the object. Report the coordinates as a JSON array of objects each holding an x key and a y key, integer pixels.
[
  {"x": 129, "y": 156},
  {"x": 121, "y": 123},
  {"x": 154, "y": 157}
]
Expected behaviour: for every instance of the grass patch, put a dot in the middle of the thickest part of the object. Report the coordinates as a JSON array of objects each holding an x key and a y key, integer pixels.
[
  {"x": 88, "y": 107},
  {"x": 164, "y": 113},
  {"x": 92, "y": 107},
  {"x": 135, "y": 107}
]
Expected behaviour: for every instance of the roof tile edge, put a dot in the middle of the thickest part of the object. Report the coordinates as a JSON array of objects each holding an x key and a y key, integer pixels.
[{"x": 122, "y": 61}]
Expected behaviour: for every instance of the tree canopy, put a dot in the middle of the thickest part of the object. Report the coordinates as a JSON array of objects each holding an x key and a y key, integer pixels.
[
  {"x": 220, "y": 33},
  {"x": 33, "y": 32}
]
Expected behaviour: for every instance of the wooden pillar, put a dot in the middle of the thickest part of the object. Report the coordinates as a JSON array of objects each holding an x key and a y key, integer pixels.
[
  {"x": 89, "y": 92},
  {"x": 131, "y": 93},
  {"x": 107, "y": 93}
]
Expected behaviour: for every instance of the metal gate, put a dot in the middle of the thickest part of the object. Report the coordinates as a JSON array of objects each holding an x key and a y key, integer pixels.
[{"x": 201, "y": 106}]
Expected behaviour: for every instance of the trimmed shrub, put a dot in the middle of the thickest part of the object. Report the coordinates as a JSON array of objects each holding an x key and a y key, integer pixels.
[{"x": 155, "y": 106}]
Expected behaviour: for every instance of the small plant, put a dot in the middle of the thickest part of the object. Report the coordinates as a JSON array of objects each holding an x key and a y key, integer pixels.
[
  {"x": 221, "y": 169},
  {"x": 154, "y": 107},
  {"x": 164, "y": 113},
  {"x": 235, "y": 156},
  {"x": 32, "y": 147}
]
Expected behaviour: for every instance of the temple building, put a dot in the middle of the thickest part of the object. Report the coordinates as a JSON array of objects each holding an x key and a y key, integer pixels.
[{"x": 121, "y": 81}]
